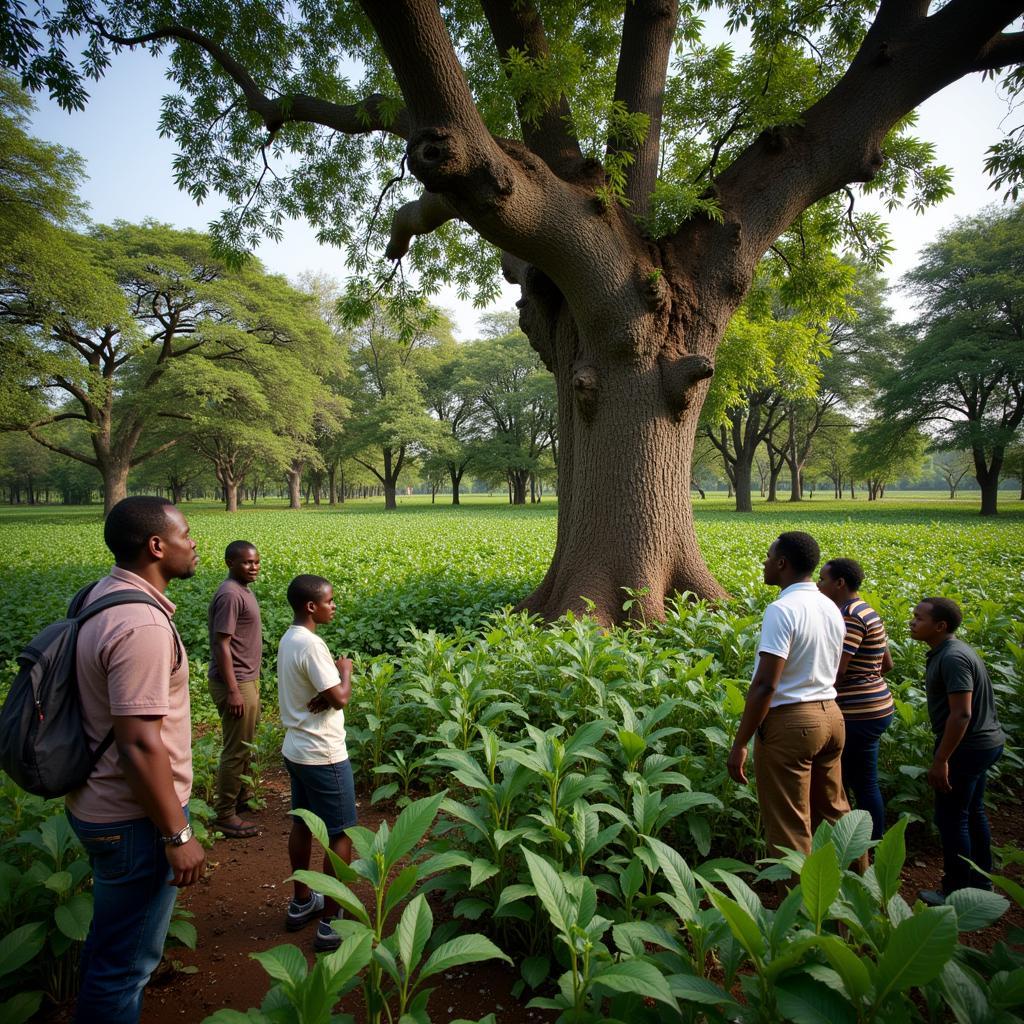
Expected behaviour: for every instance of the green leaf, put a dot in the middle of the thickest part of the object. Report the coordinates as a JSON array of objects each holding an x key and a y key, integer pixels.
[
  {"x": 535, "y": 970},
  {"x": 916, "y": 951},
  {"x": 283, "y": 963},
  {"x": 74, "y": 917},
  {"x": 480, "y": 871},
  {"x": 890, "y": 854},
  {"x": 850, "y": 967},
  {"x": 21, "y": 945},
  {"x": 414, "y": 931},
  {"x": 1006, "y": 989},
  {"x": 348, "y": 959},
  {"x": 691, "y": 989},
  {"x": 551, "y": 891},
  {"x": 965, "y": 997},
  {"x": 636, "y": 976},
  {"x": 400, "y": 887},
  {"x": 678, "y": 874},
  {"x": 977, "y": 908},
  {"x": 59, "y": 882},
  {"x": 466, "y": 949},
  {"x": 184, "y": 931},
  {"x": 741, "y": 924},
  {"x": 411, "y": 826},
  {"x": 806, "y": 1001},
  {"x": 338, "y": 891},
  {"x": 851, "y": 836},
  {"x": 820, "y": 879},
  {"x": 21, "y": 1007},
  {"x": 315, "y": 826}
]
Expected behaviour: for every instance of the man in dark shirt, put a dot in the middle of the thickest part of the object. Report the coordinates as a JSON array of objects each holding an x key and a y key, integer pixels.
[
  {"x": 236, "y": 651},
  {"x": 968, "y": 741}
]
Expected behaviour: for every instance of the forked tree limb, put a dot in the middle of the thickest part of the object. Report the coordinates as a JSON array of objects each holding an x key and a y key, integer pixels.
[{"x": 419, "y": 217}]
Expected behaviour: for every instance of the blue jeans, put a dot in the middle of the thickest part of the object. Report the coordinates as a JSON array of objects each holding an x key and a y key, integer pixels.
[
  {"x": 961, "y": 820},
  {"x": 132, "y": 905},
  {"x": 860, "y": 767}
]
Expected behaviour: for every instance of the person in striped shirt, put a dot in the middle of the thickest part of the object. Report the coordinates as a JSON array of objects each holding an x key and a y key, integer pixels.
[{"x": 862, "y": 694}]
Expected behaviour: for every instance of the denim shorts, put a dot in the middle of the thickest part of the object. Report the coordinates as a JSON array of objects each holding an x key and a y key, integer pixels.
[{"x": 327, "y": 790}]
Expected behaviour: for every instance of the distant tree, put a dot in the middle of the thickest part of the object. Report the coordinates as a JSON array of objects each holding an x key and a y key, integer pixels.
[
  {"x": 962, "y": 374},
  {"x": 953, "y": 466},
  {"x": 833, "y": 451},
  {"x": 883, "y": 453}
]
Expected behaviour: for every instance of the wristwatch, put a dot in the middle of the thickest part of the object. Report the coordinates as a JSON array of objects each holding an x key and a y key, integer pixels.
[{"x": 179, "y": 838}]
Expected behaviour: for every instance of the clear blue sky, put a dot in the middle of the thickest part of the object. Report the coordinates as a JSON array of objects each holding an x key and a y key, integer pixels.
[{"x": 130, "y": 175}]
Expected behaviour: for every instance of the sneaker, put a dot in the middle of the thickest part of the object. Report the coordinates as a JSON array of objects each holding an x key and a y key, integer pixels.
[
  {"x": 326, "y": 938},
  {"x": 300, "y": 914},
  {"x": 932, "y": 897}
]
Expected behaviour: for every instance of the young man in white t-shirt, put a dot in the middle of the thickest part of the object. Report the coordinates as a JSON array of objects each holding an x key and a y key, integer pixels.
[
  {"x": 791, "y": 703},
  {"x": 312, "y": 690}
]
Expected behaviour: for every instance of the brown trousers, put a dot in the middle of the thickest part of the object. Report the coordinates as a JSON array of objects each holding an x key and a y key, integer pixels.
[
  {"x": 799, "y": 778},
  {"x": 234, "y": 755}
]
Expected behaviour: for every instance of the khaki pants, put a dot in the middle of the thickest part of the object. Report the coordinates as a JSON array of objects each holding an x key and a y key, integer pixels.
[
  {"x": 799, "y": 778},
  {"x": 234, "y": 755}
]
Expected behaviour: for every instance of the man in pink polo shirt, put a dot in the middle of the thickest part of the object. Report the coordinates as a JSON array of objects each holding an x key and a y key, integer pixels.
[{"x": 131, "y": 815}]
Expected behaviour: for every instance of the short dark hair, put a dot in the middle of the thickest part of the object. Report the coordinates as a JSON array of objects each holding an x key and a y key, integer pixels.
[
  {"x": 306, "y": 588},
  {"x": 131, "y": 522},
  {"x": 945, "y": 610},
  {"x": 236, "y": 547},
  {"x": 845, "y": 569},
  {"x": 799, "y": 549}
]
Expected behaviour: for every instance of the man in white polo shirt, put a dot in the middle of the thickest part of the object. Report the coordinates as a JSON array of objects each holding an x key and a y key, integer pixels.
[{"x": 791, "y": 703}]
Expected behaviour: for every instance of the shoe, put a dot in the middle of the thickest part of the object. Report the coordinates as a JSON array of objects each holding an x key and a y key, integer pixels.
[
  {"x": 932, "y": 897},
  {"x": 326, "y": 938},
  {"x": 300, "y": 914}
]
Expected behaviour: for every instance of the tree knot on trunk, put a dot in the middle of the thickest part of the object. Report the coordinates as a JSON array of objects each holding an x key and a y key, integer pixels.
[
  {"x": 777, "y": 138},
  {"x": 586, "y": 387},
  {"x": 678, "y": 376},
  {"x": 655, "y": 290},
  {"x": 884, "y": 55}
]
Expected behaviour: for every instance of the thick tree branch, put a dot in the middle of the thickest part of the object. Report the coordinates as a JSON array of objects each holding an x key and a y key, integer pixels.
[
  {"x": 419, "y": 217},
  {"x": 351, "y": 119},
  {"x": 647, "y": 31},
  {"x": 904, "y": 59},
  {"x": 61, "y": 450},
  {"x": 1006, "y": 48},
  {"x": 154, "y": 451},
  {"x": 518, "y": 26}
]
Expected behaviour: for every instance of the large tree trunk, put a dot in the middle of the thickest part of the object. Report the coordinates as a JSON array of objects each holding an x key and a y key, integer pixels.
[
  {"x": 115, "y": 484},
  {"x": 456, "y": 478},
  {"x": 294, "y": 476},
  {"x": 626, "y": 429},
  {"x": 773, "y": 482},
  {"x": 230, "y": 494},
  {"x": 742, "y": 470},
  {"x": 987, "y": 474},
  {"x": 518, "y": 478}
]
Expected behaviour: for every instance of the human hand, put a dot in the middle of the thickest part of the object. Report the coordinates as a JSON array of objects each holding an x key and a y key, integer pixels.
[
  {"x": 736, "y": 763},
  {"x": 343, "y": 664},
  {"x": 938, "y": 777},
  {"x": 317, "y": 704},
  {"x": 186, "y": 863},
  {"x": 236, "y": 705}
]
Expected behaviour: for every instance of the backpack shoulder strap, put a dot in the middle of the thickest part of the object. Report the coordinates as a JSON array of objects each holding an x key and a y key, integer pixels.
[
  {"x": 119, "y": 597},
  {"x": 79, "y": 599}
]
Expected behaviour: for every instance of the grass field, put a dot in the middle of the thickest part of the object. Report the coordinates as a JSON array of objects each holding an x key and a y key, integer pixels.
[{"x": 436, "y": 566}]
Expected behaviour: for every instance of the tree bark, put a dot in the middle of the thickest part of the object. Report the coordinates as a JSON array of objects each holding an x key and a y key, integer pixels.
[
  {"x": 455, "y": 475},
  {"x": 115, "y": 484},
  {"x": 294, "y": 476}
]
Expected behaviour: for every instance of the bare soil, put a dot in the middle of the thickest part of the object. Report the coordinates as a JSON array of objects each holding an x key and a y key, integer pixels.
[{"x": 239, "y": 909}]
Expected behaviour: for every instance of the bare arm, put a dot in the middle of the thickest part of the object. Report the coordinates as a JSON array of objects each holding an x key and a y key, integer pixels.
[
  {"x": 886, "y": 661},
  {"x": 844, "y": 664},
  {"x": 147, "y": 770},
  {"x": 956, "y": 727},
  {"x": 759, "y": 699},
  {"x": 336, "y": 697},
  {"x": 226, "y": 667}
]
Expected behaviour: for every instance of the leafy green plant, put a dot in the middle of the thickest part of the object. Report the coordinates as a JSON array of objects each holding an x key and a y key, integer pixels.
[{"x": 395, "y": 966}]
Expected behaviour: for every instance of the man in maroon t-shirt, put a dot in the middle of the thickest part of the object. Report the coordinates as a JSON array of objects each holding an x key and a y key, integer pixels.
[{"x": 236, "y": 652}]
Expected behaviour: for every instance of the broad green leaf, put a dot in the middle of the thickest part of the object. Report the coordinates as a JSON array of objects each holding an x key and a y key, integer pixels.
[
  {"x": 480, "y": 871},
  {"x": 1006, "y": 989},
  {"x": 400, "y": 887},
  {"x": 283, "y": 963},
  {"x": 337, "y": 891},
  {"x": 690, "y": 989},
  {"x": 849, "y": 966},
  {"x": 851, "y": 836},
  {"x": 803, "y": 1000},
  {"x": 411, "y": 826},
  {"x": 820, "y": 879},
  {"x": 21, "y": 945},
  {"x": 59, "y": 882},
  {"x": 890, "y": 854},
  {"x": 535, "y": 970},
  {"x": 741, "y": 924},
  {"x": 916, "y": 951},
  {"x": 74, "y": 917},
  {"x": 21, "y": 1007},
  {"x": 977, "y": 908},
  {"x": 678, "y": 874},
  {"x": 551, "y": 891},
  {"x": 636, "y": 976},
  {"x": 466, "y": 949},
  {"x": 184, "y": 931},
  {"x": 414, "y": 931},
  {"x": 964, "y": 995}
]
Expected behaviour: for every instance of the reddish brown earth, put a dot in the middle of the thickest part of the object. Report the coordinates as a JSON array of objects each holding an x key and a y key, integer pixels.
[{"x": 239, "y": 909}]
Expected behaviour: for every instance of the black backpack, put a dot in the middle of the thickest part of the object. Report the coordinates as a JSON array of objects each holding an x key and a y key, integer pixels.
[{"x": 43, "y": 745}]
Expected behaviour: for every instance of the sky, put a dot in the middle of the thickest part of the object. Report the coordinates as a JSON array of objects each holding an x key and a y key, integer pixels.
[{"x": 131, "y": 178}]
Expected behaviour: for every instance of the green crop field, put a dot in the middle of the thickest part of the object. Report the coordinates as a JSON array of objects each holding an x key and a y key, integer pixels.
[{"x": 571, "y": 779}]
